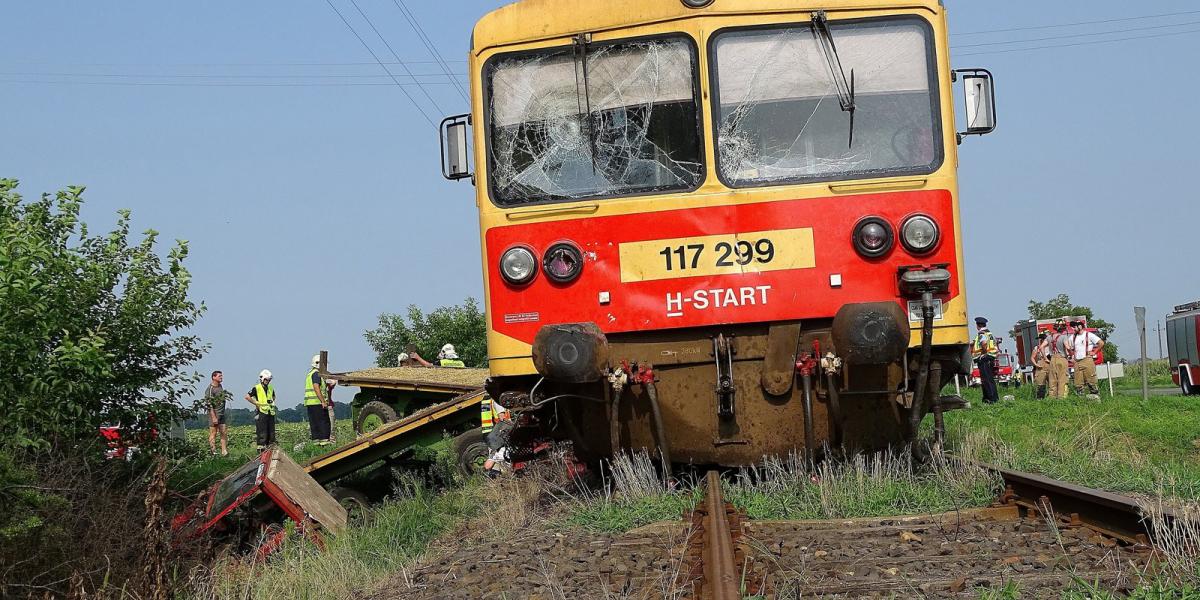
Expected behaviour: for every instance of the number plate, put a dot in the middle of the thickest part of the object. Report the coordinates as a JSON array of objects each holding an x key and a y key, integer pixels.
[
  {"x": 727, "y": 254},
  {"x": 914, "y": 310}
]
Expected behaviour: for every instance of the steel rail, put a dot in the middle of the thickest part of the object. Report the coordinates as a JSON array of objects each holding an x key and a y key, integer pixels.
[
  {"x": 720, "y": 576},
  {"x": 1113, "y": 514}
]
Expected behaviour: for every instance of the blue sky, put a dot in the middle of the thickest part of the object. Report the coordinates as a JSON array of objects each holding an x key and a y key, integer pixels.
[{"x": 310, "y": 209}]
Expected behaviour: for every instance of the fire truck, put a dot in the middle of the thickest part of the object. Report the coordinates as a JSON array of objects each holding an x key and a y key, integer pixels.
[
  {"x": 1183, "y": 330},
  {"x": 718, "y": 230}
]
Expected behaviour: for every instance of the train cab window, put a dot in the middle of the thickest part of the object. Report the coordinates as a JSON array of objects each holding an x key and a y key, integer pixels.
[
  {"x": 593, "y": 120},
  {"x": 780, "y": 118}
]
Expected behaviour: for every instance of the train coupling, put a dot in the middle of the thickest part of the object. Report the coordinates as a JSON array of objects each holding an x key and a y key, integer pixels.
[{"x": 917, "y": 280}]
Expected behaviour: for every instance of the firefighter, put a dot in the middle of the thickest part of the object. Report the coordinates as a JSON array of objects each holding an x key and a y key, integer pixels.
[
  {"x": 1059, "y": 368},
  {"x": 449, "y": 358},
  {"x": 262, "y": 396},
  {"x": 1082, "y": 346},
  {"x": 1041, "y": 364},
  {"x": 984, "y": 350},
  {"x": 317, "y": 404}
]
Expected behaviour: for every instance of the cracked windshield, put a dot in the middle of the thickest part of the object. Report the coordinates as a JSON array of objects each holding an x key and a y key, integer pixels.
[
  {"x": 779, "y": 119},
  {"x": 594, "y": 121}
]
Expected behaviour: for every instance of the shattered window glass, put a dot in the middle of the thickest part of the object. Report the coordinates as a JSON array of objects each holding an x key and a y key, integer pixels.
[
  {"x": 626, "y": 122},
  {"x": 778, "y": 115}
]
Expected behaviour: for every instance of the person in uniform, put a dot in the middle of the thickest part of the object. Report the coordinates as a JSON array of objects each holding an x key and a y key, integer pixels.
[
  {"x": 1059, "y": 368},
  {"x": 316, "y": 403},
  {"x": 984, "y": 351},
  {"x": 1041, "y": 364},
  {"x": 1083, "y": 346},
  {"x": 449, "y": 358},
  {"x": 262, "y": 396}
]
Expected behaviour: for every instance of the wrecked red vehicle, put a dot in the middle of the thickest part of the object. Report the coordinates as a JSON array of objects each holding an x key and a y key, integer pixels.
[{"x": 247, "y": 508}]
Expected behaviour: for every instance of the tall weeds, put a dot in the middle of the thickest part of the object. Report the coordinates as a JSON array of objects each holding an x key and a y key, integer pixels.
[{"x": 885, "y": 483}]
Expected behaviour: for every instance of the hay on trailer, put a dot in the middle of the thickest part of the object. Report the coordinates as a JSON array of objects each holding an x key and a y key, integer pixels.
[{"x": 465, "y": 379}]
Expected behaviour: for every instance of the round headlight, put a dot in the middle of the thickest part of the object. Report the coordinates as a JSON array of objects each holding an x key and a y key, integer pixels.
[
  {"x": 696, "y": 3},
  {"x": 919, "y": 234},
  {"x": 873, "y": 237},
  {"x": 517, "y": 265},
  {"x": 563, "y": 262}
]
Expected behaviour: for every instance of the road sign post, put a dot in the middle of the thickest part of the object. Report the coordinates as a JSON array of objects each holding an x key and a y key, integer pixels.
[{"x": 1139, "y": 313}]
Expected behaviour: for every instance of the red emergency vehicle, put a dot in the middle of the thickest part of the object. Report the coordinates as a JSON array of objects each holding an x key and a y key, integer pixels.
[
  {"x": 1183, "y": 331},
  {"x": 1008, "y": 372}
]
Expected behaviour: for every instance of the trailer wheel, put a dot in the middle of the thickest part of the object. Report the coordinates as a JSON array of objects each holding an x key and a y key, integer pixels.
[
  {"x": 470, "y": 452},
  {"x": 374, "y": 415},
  {"x": 352, "y": 500}
]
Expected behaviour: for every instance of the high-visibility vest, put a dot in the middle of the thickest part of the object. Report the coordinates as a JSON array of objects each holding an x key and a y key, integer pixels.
[
  {"x": 452, "y": 362},
  {"x": 265, "y": 399},
  {"x": 984, "y": 344},
  {"x": 310, "y": 389},
  {"x": 485, "y": 415}
]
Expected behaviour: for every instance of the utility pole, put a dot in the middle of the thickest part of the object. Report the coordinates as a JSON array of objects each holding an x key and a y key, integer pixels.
[
  {"x": 1158, "y": 329},
  {"x": 1139, "y": 315}
]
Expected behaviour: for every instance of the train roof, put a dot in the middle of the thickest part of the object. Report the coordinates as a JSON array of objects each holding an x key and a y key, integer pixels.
[
  {"x": 432, "y": 379},
  {"x": 531, "y": 20}
]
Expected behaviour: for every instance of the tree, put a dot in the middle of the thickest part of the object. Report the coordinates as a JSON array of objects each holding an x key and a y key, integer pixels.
[
  {"x": 1061, "y": 306},
  {"x": 90, "y": 326},
  {"x": 462, "y": 325}
]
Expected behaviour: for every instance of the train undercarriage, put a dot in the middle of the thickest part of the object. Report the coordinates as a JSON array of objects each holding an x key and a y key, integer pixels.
[{"x": 730, "y": 395}]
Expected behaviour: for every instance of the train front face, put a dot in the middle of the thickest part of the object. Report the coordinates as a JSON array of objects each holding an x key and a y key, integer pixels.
[{"x": 721, "y": 196}]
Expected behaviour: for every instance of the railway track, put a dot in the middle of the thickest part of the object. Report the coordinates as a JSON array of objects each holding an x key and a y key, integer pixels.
[{"x": 1040, "y": 536}]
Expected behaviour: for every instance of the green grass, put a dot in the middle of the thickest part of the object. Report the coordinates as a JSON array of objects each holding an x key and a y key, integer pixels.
[
  {"x": 198, "y": 469},
  {"x": 617, "y": 515},
  {"x": 881, "y": 484},
  {"x": 1120, "y": 444}
]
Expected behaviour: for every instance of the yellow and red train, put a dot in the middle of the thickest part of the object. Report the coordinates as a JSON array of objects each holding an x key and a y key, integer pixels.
[{"x": 718, "y": 229}]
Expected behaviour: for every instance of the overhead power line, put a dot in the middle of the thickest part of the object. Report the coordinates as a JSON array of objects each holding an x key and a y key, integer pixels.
[
  {"x": 1078, "y": 23},
  {"x": 429, "y": 45},
  {"x": 381, "y": 65},
  {"x": 1078, "y": 35},
  {"x": 1089, "y": 43},
  {"x": 354, "y": 3}
]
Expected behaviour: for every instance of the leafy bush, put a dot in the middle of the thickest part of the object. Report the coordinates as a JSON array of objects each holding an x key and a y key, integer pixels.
[
  {"x": 89, "y": 325},
  {"x": 462, "y": 325}
]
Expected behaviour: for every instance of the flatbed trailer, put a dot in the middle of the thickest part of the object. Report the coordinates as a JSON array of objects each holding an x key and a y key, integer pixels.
[
  {"x": 389, "y": 394},
  {"x": 458, "y": 415}
]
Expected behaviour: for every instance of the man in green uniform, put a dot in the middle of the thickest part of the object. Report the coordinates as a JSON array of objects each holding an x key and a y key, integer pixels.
[
  {"x": 262, "y": 396},
  {"x": 317, "y": 405},
  {"x": 984, "y": 351},
  {"x": 449, "y": 358}
]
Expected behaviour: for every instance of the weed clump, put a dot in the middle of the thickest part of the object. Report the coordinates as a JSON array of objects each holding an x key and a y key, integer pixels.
[{"x": 865, "y": 485}]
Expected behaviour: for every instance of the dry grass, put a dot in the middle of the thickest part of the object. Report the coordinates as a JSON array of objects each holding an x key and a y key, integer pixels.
[
  {"x": 864, "y": 485},
  {"x": 437, "y": 375}
]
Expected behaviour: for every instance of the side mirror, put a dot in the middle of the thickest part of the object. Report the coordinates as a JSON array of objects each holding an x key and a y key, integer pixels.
[
  {"x": 455, "y": 156},
  {"x": 980, "y": 99}
]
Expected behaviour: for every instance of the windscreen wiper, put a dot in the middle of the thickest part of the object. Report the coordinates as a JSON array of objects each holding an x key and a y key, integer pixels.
[
  {"x": 845, "y": 87},
  {"x": 584, "y": 99}
]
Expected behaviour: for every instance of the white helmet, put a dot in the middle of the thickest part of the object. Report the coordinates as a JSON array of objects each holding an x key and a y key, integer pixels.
[
  {"x": 316, "y": 360},
  {"x": 448, "y": 352},
  {"x": 264, "y": 374}
]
